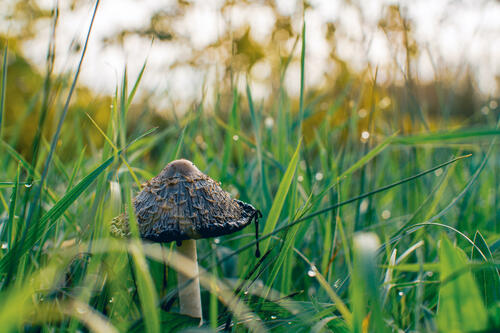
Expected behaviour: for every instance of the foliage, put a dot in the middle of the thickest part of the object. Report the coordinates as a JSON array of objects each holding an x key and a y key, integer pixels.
[{"x": 323, "y": 268}]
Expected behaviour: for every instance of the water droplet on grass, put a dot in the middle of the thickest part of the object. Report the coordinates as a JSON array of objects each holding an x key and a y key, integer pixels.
[
  {"x": 401, "y": 293},
  {"x": 28, "y": 185},
  {"x": 386, "y": 214},
  {"x": 236, "y": 137},
  {"x": 312, "y": 272},
  {"x": 273, "y": 317},
  {"x": 365, "y": 135}
]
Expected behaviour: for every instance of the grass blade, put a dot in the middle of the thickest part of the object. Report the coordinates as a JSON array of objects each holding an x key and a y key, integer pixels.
[
  {"x": 279, "y": 199},
  {"x": 136, "y": 84},
  {"x": 445, "y": 136},
  {"x": 4, "y": 85},
  {"x": 458, "y": 296},
  {"x": 488, "y": 279},
  {"x": 365, "y": 159}
]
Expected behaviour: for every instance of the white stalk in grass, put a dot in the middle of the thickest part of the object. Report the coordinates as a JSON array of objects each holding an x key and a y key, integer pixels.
[{"x": 189, "y": 284}]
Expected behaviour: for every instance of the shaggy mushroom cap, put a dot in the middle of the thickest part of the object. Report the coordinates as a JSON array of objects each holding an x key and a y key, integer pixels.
[{"x": 183, "y": 203}]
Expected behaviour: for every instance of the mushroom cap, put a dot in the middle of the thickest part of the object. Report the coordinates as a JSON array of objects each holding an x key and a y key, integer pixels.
[{"x": 183, "y": 203}]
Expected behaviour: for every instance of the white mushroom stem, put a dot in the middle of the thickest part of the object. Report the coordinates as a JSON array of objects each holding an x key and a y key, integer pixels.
[{"x": 189, "y": 293}]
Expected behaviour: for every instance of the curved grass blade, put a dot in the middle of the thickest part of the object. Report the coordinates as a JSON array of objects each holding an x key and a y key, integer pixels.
[
  {"x": 279, "y": 199},
  {"x": 446, "y": 136},
  {"x": 136, "y": 84},
  {"x": 458, "y": 296}
]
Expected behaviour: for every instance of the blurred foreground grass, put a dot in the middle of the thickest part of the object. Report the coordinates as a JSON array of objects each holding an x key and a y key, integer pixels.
[{"x": 421, "y": 255}]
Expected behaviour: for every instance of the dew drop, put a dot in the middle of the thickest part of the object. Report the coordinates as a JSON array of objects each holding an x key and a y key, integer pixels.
[
  {"x": 111, "y": 300},
  {"x": 246, "y": 293},
  {"x": 216, "y": 240},
  {"x": 311, "y": 272},
  {"x": 336, "y": 284},
  {"x": 5, "y": 246},
  {"x": 493, "y": 104},
  {"x": 401, "y": 293},
  {"x": 386, "y": 214},
  {"x": 365, "y": 135},
  {"x": 318, "y": 176},
  {"x": 236, "y": 137},
  {"x": 28, "y": 185},
  {"x": 300, "y": 179},
  {"x": 289, "y": 323},
  {"x": 273, "y": 317}
]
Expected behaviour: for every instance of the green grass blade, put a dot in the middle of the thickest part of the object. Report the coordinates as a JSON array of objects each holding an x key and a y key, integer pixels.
[
  {"x": 258, "y": 138},
  {"x": 178, "y": 145},
  {"x": 228, "y": 141},
  {"x": 12, "y": 209},
  {"x": 488, "y": 279},
  {"x": 459, "y": 295},
  {"x": 136, "y": 84},
  {"x": 371, "y": 154},
  {"x": 76, "y": 168},
  {"x": 279, "y": 199},
  {"x": 445, "y": 136},
  {"x": 4, "y": 85},
  {"x": 302, "y": 78},
  {"x": 19, "y": 158},
  {"x": 145, "y": 287}
]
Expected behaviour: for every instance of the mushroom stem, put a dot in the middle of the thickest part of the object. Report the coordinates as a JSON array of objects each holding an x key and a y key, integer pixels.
[{"x": 189, "y": 285}]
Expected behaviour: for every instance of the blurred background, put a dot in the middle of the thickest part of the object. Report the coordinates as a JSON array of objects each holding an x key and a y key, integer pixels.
[{"x": 441, "y": 58}]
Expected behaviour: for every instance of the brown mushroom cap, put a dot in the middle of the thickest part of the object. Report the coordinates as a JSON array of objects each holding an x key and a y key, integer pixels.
[{"x": 183, "y": 203}]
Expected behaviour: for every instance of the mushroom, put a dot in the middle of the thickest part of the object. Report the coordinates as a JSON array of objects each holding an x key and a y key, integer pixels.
[{"x": 182, "y": 204}]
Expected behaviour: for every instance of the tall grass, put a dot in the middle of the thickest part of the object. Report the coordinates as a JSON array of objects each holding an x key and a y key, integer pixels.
[{"x": 419, "y": 251}]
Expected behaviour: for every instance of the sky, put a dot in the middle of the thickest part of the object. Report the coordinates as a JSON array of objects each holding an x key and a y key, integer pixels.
[{"x": 452, "y": 33}]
